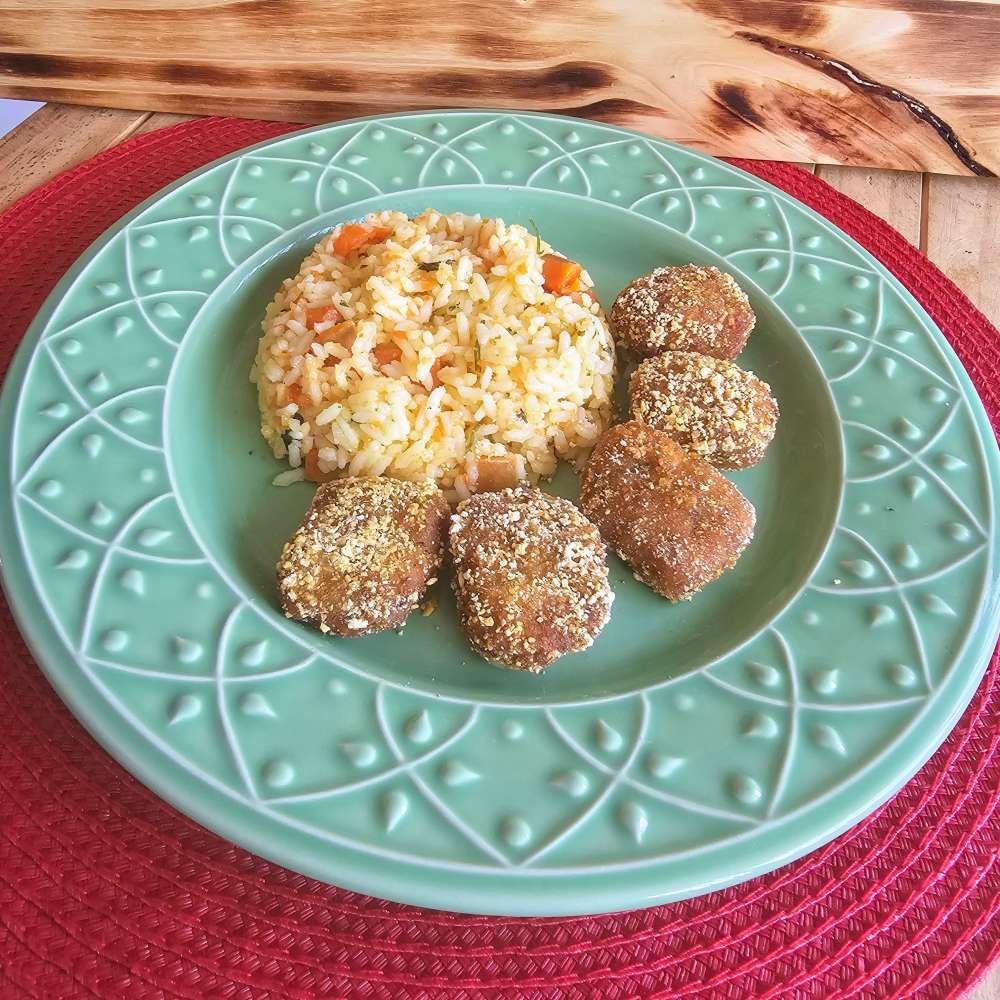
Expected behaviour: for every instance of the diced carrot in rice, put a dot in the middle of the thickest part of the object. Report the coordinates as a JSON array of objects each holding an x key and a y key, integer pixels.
[
  {"x": 424, "y": 281},
  {"x": 354, "y": 236},
  {"x": 298, "y": 395},
  {"x": 342, "y": 333},
  {"x": 560, "y": 275},
  {"x": 386, "y": 354},
  {"x": 315, "y": 315}
]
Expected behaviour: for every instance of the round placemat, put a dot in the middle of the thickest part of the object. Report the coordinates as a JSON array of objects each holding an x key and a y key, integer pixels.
[{"x": 106, "y": 891}]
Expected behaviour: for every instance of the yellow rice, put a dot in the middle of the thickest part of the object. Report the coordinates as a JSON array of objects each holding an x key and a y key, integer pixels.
[{"x": 520, "y": 371}]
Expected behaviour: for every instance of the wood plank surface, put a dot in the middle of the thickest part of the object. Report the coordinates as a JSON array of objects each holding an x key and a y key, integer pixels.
[
  {"x": 910, "y": 84},
  {"x": 56, "y": 138},
  {"x": 894, "y": 195},
  {"x": 963, "y": 237},
  {"x": 160, "y": 119}
]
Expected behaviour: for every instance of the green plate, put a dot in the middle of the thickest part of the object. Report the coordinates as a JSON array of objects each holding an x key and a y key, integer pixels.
[{"x": 693, "y": 746}]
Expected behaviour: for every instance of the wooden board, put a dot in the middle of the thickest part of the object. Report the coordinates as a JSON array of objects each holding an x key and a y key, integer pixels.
[
  {"x": 962, "y": 236},
  {"x": 57, "y": 137},
  {"x": 54, "y": 139},
  {"x": 892, "y": 194},
  {"x": 910, "y": 84}
]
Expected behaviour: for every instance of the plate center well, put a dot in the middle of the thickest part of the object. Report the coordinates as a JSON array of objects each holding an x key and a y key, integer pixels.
[{"x": 223, "y": 472}]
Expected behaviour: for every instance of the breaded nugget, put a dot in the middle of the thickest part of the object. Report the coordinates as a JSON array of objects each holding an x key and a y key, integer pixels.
[
  {"x": 531, "y": 577},
  {"x": 711, "y": 407},
  {"x": 363, "y": 556},
  {"x": 675, "y": 520},
  {"x": 689, "y": 308}
]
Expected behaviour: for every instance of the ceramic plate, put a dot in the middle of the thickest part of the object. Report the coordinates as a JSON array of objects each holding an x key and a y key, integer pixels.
[{"x": 694, "y": 745}]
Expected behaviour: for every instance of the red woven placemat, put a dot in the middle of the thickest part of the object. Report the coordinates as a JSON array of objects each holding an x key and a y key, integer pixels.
[{"x": 106, "y": 891}]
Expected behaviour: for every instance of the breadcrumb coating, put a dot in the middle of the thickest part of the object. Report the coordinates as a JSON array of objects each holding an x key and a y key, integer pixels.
[
  {"x": 669, "y": 514},
  {"x": 531, "y": 577},
  {"x": 687, "y": 308},
  {"x": 711, "y": 407},
  {"x": 364, "y": 555}
]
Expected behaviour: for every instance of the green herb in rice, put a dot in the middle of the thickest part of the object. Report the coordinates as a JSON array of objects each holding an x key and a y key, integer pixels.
[{"x": 538, "y": 235}]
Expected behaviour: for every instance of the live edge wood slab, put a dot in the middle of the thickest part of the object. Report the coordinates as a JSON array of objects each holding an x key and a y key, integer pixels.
[{"x": 910, "y": 84}]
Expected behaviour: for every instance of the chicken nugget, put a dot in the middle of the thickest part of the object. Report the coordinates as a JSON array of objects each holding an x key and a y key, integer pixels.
[
  {"x": 364, "y": 555},
  {"x": 669, "y": 514},
  {"x": 688, "y": 308},
  {"x": 531, "y": 577},
  {"x": 710, "y": 407}
]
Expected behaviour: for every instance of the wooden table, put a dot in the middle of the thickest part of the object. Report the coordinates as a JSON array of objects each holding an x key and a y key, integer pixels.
[{"x": 954, "y": 220}]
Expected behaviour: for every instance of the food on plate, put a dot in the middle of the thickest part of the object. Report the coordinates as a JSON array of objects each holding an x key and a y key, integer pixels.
[
  {"x": 687, "y": 308},
  {"x": 531, "y": 577},
  {"x": 709, "y": 406},
  {"x": 449, "y": 347},
  {"x": 415, "y": 363},
  {"x": 669, "y": 514},
  {"x": 365, "y": 553}
]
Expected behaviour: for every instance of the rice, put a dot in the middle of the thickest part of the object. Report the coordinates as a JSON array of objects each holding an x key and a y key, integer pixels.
[{"x": 425, "y": 371}]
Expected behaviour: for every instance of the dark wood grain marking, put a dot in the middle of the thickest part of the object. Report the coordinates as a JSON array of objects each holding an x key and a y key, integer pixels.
[
  {"x": 732, "y": 101},
  {"x": 28, "y": 64},
  {"x": 937, "y": 8},
  {"x": 821, "y": 124},
  {"x": 803, "y": 19},
  {"x": 814, "y": 116},
  {"x": 193, "y": 74},
  {"x": 858, "y": 82},
  {"x": 612, "y": 110},
  {"x": 573, "y": 77},
  {"x": 50, "y": 66},
  {"x": 493, "y": 46},
  {"x": 485, "y": 44},
  {"x": 564, "y": 81},
  {"x": 270, "y": 12},
  {"x": 527, "y": 86}
]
